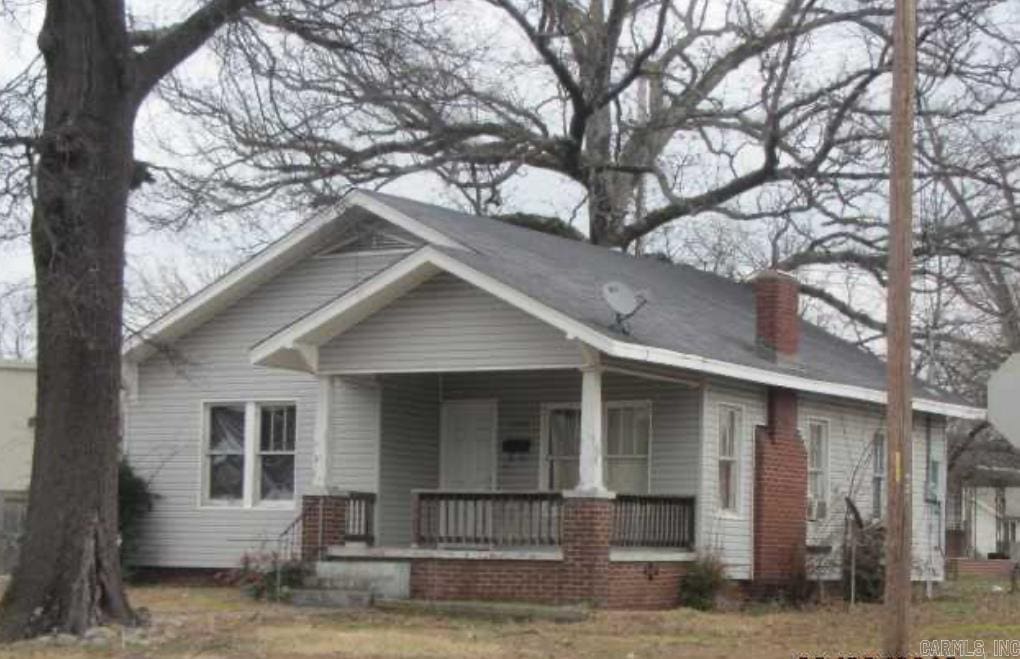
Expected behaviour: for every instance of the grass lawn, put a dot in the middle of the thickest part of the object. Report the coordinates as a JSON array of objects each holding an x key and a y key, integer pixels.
[{"x": 219, "y": 622}]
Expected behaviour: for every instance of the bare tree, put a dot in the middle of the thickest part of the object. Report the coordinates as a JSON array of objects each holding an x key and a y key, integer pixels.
[
  {"x": 17, "y": 320},
  {"x": 97, "y": 74},
  {"x": 660, "y": 115}
]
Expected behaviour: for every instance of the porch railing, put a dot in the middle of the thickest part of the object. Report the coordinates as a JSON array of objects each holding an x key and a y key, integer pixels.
[
  {"x": 360, "y": 518},
  {"x": 653, "y": 521},
  {"x": 487, "y": 519}
]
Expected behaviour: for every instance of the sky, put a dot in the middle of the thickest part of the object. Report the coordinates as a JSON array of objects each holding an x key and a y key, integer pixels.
[{"x": 199, "y": 251}]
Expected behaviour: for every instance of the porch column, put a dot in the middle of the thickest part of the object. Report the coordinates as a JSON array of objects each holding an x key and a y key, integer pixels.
[
  {"x": 591, "y": 480},
  {"x": 321, "y": 444}
]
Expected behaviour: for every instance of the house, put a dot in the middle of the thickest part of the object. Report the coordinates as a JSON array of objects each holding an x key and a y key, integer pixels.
[
  {"x": 983, "y": 503},
  {"x": 17, "y": 422},
  {"x": 448, "y": 399}
]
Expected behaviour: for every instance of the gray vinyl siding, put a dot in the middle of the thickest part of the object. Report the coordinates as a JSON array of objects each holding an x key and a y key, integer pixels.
[
  {"x": 852, "y": 429},
  {"x": 729, "y": 534},
  {"x": 354, "y": 426},
  {"x": 163, "y": 424},
  {"x": 409, "y": 453},
  {"x": 446, "y": 324}
]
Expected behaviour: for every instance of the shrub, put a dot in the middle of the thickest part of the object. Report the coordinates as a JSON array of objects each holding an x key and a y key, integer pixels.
[
  {"x": 134, "y": 501},
  {"x": 265, "y": 576},
  {"x": 702, "y": 582}
]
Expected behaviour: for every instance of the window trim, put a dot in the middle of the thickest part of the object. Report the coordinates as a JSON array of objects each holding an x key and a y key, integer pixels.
[
  {"x": 249, "y": 499},
  {"x": 737, "y": 511},
  {"x": 546, "y": 408},
  {"x": 827, "y": 472}
]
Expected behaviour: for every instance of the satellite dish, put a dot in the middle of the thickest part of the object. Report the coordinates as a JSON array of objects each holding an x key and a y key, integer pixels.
[
  {"x": 620, "y": 298},
  {"x": 623, "y": 301}
]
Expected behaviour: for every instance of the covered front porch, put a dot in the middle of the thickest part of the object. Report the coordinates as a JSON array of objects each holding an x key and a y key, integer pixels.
[
  {"x": 484, "y": 462},
  {"x": 471, "y": 441}
]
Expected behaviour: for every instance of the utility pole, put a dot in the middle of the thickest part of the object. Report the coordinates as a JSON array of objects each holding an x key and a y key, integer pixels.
[{"x": 899, "y": 407}]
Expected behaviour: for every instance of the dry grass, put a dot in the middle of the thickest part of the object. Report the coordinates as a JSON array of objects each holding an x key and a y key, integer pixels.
[{"x": 208, "y": 622}]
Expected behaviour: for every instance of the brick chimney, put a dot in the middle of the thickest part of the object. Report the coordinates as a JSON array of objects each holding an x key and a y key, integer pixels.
[{"x": 776, "y": 308}]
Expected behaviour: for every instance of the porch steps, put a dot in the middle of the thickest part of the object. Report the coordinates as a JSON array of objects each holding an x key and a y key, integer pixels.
[
  {"x": 354, "y": 583},
  {"x": 331, "y": 598}
]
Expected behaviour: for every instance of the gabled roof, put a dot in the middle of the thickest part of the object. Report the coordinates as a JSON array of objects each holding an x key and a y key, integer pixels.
[{"x": 693, "y": 320}]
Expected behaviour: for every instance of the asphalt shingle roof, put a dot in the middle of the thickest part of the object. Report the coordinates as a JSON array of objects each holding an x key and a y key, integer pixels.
[{"x": 688, "y": 311}]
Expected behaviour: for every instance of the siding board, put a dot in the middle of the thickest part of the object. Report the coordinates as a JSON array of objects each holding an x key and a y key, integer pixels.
[
  {"x": 163, "y": 425},
  {"x": 446, "y": 324}
]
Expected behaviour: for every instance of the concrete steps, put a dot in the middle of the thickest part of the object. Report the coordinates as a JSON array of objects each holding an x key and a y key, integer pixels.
[
  {"x": 331, "y": 598},
  {"x": 354, "y": 583}
]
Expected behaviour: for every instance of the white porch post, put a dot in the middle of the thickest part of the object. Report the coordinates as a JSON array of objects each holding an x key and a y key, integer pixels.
[
  {"x": 591, "y": 479},
  {"x": 320, "y": 451}
]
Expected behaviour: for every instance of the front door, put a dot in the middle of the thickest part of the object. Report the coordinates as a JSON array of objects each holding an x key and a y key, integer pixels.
[{"x": 468, "y": 450}]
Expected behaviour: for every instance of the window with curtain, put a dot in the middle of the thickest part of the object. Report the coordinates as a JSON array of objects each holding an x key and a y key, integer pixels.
[
  {"x": 276, "y": 452},
  {"x": 564, "y": 446},
  {"x": 818, "y": 460},
  {"x": 249, "y": 453},
  {"x": 627, "y": 432},
  {"x": 628, "y": 435},
  {"x": 730, "y": 423},
  {"x": 225, "y": 453}
]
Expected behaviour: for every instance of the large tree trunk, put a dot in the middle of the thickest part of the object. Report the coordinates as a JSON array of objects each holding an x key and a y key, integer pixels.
[{"x": 68, "y": 577}]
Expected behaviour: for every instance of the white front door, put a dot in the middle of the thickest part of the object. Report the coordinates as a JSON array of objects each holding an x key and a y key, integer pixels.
[{"x": 468, "y": 450}]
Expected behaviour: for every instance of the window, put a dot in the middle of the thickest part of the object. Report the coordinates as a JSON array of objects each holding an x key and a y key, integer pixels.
[
  {"x": 564, "y": 428},
  {"x": 249, "y": 453},
  {"x": 627, "y": 432},
  {"x": 225, "y": 453},
  {"x": 731, "y": 423},
  {"x": 878, "y": 477},
  {"x": 931, "y": 483},
  {"x": 818, "y": 460},
  {"x": 276, "y": 452}
]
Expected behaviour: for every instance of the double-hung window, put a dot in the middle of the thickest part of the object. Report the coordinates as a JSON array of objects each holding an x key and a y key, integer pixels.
[
  {"x": 563, "y": 423},
  {"x": 818, "y": 467},
  {"x": 878, "y": 475},
  {"x": 731, "y": 422},
  {"x": 248, "y": 455},
  {"x": 276, "y": 452},
  {"x": 627, "y": 436},
  {"x": 225, "y": 463}
]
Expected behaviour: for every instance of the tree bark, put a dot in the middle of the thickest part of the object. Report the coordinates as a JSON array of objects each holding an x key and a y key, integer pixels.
[{"x": 68, "y": 576}]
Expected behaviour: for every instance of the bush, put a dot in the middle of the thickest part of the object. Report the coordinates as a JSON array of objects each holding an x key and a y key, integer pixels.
[
  {"x": 265, "y": 576},
  {"x": 702, "y": 582},
  {"x": 134, "y": 501}
]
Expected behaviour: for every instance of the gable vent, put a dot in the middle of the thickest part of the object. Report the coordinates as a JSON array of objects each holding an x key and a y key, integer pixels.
[{"x": 369, "y": 241}]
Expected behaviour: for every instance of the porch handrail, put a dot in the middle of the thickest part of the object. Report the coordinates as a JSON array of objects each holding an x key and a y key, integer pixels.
[
  {"x": 471, "y": 518},
  {"x": 360, "y": 523},
  {"x": 653, "y": 520}
]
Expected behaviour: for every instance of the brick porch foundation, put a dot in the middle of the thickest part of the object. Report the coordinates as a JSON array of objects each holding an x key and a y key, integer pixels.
[
  {"x": 324, "y": 519},
  {"x": 584, "y": 575}
]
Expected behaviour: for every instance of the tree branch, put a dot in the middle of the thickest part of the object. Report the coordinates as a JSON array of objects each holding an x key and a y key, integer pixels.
[{"x": 180, "y": 41}]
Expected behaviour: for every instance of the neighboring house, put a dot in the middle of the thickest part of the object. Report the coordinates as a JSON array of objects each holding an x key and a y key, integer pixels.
[
  {"x": 17, "y": 415},
  {"x": 17, "y": 423},
  {"x": 984, "y": 499},
  {"x": 451, "y": 398}
]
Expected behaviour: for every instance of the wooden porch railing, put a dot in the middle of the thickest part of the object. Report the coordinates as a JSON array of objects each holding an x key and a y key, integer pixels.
[
  {"x": 487, "y": 519},
  {"x": 360, "y": 517},
  {"x": 653, "y": 521}
]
